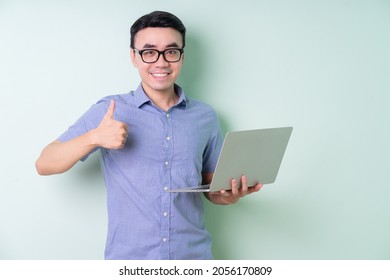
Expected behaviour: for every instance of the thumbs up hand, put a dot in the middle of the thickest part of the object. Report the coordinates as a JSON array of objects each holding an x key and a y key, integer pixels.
[{"x": 111, "y": 134}]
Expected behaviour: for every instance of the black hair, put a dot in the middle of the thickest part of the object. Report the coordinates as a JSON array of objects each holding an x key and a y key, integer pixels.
[{"x": 157, "y": 19}]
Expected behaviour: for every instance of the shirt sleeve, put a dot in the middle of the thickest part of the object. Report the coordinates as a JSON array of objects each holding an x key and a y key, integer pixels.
[
  {"x": 212, "y": 151},
  {"x": 88, "y": 121}
]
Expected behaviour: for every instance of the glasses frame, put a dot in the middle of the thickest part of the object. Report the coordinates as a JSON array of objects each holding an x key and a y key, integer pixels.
[{"x": 140, "y": 52}]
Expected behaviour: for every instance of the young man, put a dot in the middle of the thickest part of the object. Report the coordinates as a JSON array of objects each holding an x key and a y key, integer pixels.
[{"x": 152, "y": 139}]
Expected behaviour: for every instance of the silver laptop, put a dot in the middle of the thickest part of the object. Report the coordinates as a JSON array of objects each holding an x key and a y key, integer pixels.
[{"x": 257, "y": 154}]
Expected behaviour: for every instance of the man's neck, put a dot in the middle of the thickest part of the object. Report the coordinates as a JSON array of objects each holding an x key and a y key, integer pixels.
[{"x": 163, "y": 99}]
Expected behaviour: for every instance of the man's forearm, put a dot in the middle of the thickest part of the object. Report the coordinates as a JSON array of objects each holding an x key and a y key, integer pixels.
[{"x": 58, "y": 157}]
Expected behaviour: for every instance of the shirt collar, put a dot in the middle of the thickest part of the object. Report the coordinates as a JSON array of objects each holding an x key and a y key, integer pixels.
[{"x": 141, "y": 98}]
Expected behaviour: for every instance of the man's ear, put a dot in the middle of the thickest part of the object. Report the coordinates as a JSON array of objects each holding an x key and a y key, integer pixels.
[{"x": 132, "y": 57}]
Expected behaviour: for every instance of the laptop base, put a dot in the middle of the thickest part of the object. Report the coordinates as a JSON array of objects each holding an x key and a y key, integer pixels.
[{"x": 203, "y": 188}]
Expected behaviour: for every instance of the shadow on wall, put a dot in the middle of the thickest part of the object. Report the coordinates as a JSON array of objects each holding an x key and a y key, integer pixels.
[
  {"x": 86, "y": 176},
  {"x": 197, "y": 71},
  {"x": 193, "y": 72}
]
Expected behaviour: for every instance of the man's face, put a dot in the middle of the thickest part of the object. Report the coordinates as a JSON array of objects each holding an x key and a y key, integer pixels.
[{"x": 160, "y": 76}]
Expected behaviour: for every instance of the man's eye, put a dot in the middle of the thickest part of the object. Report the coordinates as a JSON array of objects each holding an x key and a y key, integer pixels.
[
  {"x": 149, "y": 52},
  {"x": 171, "y": 52}
]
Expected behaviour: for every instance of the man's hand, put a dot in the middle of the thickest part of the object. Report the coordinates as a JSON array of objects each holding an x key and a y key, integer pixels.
[
  {"x": 58, "y": 157},
  {"x": 225, "y": 197},
  {"x": 111, "y": 134}
]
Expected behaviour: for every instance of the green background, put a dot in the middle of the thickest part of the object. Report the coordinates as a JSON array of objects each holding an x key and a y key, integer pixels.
[{"x": 322, "y": 67}]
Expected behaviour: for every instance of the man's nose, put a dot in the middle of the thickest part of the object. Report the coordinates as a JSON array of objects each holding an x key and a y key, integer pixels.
[{"x": 161, "y": 61}]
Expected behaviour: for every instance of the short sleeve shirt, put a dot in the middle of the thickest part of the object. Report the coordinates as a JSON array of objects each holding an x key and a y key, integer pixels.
[{"x": 164, "y": 150}]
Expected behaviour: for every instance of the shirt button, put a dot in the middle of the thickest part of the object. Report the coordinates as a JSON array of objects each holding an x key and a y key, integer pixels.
[
  {"x": 168, "y": 138},
  {"x": 165, "y": 214},
  {"x": 164, "y": 239},
  {"x": 166, "y": 163},
  {"x": 167, "y": 115},
  {"x": 165, "y": 188}
]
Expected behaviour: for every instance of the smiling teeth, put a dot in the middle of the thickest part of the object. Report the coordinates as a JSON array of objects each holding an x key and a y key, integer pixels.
[{"x": 159, "y": 75}]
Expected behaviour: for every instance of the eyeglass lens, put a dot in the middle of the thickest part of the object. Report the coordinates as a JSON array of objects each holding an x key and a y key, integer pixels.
[{"x": 170, "y": 55}]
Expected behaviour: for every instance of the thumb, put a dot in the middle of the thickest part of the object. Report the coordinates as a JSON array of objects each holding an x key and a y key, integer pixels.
[{"x": 110, "y": 111}]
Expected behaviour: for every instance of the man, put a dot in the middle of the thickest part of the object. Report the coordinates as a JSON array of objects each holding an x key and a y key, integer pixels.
[{"x": 152, "y": 139}]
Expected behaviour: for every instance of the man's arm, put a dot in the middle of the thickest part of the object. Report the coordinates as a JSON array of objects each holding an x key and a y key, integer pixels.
[
  {"x": 225, "y": 197},
  {"x": 58, "y": 157}
]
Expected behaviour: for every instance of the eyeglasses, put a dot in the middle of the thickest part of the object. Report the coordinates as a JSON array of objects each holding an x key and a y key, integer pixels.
[{"x": 152, "y": 55}]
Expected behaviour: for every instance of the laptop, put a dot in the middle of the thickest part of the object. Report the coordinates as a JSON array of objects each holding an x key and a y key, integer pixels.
[{"x": 257, "y": 154}]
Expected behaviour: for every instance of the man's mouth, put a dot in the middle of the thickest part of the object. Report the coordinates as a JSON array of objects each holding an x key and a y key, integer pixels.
[{"x": 159, "y": 75}]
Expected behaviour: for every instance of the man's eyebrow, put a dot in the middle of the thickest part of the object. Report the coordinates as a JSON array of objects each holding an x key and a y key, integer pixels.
[
  {"x": 171, "y": 45},
  {"x": 149, "y": 46}
]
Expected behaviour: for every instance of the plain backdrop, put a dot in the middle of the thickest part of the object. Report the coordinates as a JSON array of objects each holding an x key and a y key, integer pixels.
[{"x": 322, "y": 67}]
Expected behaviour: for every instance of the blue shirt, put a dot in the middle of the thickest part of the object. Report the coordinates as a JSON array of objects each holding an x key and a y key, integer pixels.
[{"x": 164, "y": 150}]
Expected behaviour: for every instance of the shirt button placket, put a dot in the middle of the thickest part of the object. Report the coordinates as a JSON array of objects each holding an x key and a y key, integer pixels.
[{"x": 166, "y": 197}]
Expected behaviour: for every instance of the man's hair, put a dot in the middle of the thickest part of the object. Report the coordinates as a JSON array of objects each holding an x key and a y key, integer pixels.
[{"x": 157, "y": 19}]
